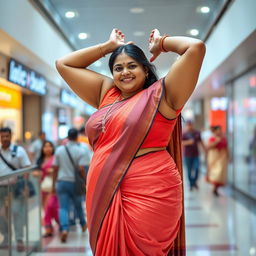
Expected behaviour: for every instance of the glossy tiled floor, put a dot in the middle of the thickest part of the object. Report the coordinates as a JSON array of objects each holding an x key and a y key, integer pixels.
[{"x": 214, "y": 227}]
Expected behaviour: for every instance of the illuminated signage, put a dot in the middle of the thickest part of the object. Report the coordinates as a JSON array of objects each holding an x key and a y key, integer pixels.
[
  {"x": 219, "y": 103},
  {"x": 9, "y": 98},
  {"x": 26, "y": 77},
  {"x": 252, "y": 81},
  {"x": 68, "y": 98}
]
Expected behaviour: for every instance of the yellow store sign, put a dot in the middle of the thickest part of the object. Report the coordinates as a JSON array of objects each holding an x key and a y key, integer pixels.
[{"x": 10, "y": 98}]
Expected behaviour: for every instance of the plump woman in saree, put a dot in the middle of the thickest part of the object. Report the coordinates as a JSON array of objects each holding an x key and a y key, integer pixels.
[
  {"x": 217, "y": 159},
  {"x": 134, "y": 196}
]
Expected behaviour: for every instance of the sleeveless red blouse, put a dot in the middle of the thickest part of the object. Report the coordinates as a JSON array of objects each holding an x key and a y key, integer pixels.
[{"x": 160, "y": 132}]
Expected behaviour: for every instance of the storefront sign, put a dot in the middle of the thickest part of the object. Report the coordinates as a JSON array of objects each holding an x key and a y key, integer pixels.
[
  {"x": 26, "y": 77},
  {"x": 9, "y": 98},
  {"x": 68, "y": 98}
]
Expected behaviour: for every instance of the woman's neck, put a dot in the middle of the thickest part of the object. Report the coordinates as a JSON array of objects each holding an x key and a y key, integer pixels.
[
  {"x": 128, "y": 95},
  {"x": 47, "y": 157}
]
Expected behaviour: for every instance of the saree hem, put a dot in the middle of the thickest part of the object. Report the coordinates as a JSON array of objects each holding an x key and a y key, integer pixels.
[{"x": 221, "y": 184}]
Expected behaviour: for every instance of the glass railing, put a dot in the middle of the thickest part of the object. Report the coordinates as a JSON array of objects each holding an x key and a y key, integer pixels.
[{"x": 20, "y": 213}]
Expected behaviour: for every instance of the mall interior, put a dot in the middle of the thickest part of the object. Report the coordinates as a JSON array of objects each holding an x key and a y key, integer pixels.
[{"x": 35, "y": 98}]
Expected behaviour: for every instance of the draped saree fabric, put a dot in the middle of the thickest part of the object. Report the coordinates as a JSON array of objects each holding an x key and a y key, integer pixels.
[
  {"x": 174, "y": 148},
  {"x": 127, "y": 125},
  {"x": 217, "y": 163}
]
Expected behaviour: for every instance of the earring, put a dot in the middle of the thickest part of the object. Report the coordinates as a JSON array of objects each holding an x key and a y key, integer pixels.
[{"x": 147, "y": 75}]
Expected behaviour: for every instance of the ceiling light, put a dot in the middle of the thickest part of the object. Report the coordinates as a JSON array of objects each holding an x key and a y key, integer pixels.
[
  {"x": 252, "y": 251},
  {"x": 193, "y": 32},
  {"x": 136, "y": 10},
  {"x": 204, "y": 9},
  {"x": 82, "y": 36},
  {"x": 139, "y": 33},
  {"x": 70, "y": 14}
]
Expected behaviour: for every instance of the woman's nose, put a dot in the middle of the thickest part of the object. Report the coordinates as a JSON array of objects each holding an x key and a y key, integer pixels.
[{"x": 125, "y": 71}]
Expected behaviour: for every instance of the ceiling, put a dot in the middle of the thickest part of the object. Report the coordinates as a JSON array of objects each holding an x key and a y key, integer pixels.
[{"x": 97, "y": 18}]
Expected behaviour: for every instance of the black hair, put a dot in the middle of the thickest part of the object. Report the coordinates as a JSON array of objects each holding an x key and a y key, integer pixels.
[
  {"x": 6, "y": 129},
  {"x": 137, "y": 54},
  {"x": 40, "y": 160},
  {"x": 214, "y": 128},
  {"x": 82, "y": 130},
  {"x": 72, "y": 134},
  {"x": 41, "y": 133}
]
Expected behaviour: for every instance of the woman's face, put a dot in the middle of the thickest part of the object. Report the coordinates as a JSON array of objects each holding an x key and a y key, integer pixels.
[
  {"x": 129, "y": 75},
  {"x": 48, "y": 150},
  {"x": 218, "y": 132}
]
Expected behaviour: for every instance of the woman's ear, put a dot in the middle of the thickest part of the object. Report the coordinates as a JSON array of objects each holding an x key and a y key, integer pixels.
[{"x": 146, "y": 70}]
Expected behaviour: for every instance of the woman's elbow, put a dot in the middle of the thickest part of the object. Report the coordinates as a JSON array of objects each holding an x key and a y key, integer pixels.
[
  {"x": 59, "y": 64},
  {"x": 200, "y": 46}
]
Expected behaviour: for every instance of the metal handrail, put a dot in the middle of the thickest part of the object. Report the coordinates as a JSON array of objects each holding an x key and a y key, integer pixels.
[{"x": 18, "y": 172}]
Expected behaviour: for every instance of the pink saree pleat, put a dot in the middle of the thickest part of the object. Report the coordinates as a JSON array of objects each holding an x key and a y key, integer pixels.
[{"x": 140, "y": 211}]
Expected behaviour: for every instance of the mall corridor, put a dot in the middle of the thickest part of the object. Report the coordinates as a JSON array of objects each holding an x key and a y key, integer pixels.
[
  {"x": 215, "y": 226},
  {"x": 115, "y": 114}
]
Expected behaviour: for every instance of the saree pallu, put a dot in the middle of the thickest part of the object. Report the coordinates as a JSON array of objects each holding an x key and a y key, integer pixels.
[
  {"x": 124, "y": 218},
  {"x": 217, "y": 162}
]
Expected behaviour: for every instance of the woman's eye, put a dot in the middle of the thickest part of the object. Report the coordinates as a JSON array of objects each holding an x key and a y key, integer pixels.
[
  {"x": 132, "y": 66},
  {"x": 118, "y": 69}
]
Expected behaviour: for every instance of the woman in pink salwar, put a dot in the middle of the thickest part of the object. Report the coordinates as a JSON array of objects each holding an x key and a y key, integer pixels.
[
  {"x": 49, "y": 201},
  {"x": 134, "y": 195}
]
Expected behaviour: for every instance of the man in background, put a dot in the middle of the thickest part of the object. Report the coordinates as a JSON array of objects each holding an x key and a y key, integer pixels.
[
  {"x": 65, "y": 181},
  {"x": 12, "y": 157},
  {"x": 36, "y": 147},
  {"x": 191, "y": 139}
]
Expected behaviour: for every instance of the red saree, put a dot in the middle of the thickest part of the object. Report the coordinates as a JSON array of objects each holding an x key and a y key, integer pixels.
[{"x": 134, "y": 205}]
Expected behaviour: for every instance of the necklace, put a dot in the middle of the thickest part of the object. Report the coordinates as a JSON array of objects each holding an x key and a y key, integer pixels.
[{"x": 103, "y": 121}]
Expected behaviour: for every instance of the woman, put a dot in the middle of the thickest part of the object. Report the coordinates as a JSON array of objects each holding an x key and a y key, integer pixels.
[
  {"x": 49, "y": 200},
  {"x": 134, "y": 189},
  {"x": 217, "y": 159}
]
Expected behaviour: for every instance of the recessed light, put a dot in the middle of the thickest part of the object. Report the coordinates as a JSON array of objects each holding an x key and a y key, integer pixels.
[
  {"x": 193, "y": 32},
  {"x": 204, "y": 9},
  {"x": 70, "y": 14},
  {"x": 252, "y": 251},
  {"x": 139, "y": 33},
  {"x": 83, "y": 36},
  {"x": 136, "y": 10}
]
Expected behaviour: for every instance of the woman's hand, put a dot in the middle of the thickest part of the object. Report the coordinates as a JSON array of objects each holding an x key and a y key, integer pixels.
[
  {"x": 37, "y": 173},
  {"x": 116, "y": 38},
  {"x": 49, "y": 170},
  {"x": 153, "y": 47}
]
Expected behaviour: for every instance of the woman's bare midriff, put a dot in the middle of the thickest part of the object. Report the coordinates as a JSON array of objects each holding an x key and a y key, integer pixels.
[{"x": 147, "y": 150}]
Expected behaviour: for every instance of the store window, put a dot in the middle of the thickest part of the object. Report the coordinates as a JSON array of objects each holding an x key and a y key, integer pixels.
[
  {"x": 10, "y": 111},
  {"x": 244, "y": 131}
]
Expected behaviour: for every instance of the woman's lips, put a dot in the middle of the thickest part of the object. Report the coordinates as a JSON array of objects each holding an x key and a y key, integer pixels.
[{"x": 127, "y": 80}]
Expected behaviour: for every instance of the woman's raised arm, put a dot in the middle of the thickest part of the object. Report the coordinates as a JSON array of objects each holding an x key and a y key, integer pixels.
[
  {"x": 182, "y": 77},
  {"x": 87, "y": 84}
]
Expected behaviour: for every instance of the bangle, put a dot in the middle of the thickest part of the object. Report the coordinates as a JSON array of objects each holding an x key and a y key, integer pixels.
[
  {"x": 161, "y": 43},
  {"x": 101, "y": 51}
]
